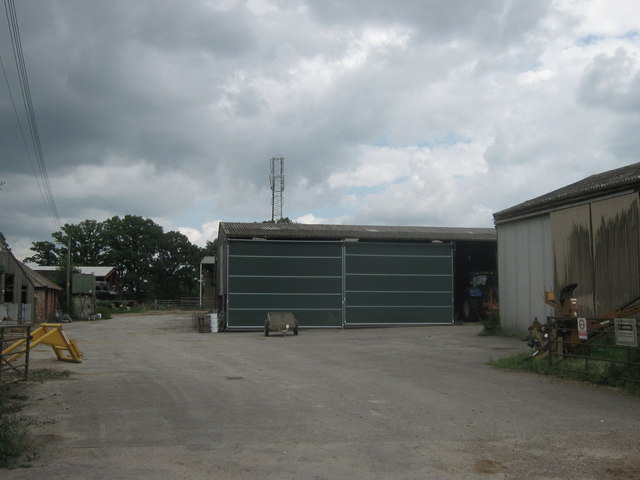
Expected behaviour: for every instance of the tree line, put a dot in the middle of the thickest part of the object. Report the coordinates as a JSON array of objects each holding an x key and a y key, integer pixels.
[{"x": 151, "y": 263}]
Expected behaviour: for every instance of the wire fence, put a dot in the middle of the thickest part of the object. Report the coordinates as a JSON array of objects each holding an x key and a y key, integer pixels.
[
  {"x": 14, "y": 365},
  {"x": 184, "y": 303},
  {"x": 602, "y": 349}
]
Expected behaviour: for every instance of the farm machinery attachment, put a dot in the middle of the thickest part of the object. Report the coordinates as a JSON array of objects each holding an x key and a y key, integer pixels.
[
  {"x": 568, "y": 324},
  {"x": 50, "y": 334}
]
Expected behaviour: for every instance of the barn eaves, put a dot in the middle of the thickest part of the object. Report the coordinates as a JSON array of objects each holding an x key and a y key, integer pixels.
[
  {"x": 612, "y": 182},
  {"x": 284, "y": 231}
]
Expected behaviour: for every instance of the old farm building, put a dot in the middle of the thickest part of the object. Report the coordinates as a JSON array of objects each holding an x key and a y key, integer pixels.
[
  {"x": 585, "y": 233},
  {"x": 345, "y": 275},
  {"x": 26, "y": 296}
]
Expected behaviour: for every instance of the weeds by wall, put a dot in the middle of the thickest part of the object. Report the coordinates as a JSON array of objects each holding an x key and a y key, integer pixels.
[{"x": 491, "y": 323}]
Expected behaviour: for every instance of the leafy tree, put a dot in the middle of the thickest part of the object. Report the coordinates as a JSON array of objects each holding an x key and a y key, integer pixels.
[
  {"x": 210, "y": 249},
  {"x": 46, "y": 254},
  {"x": 151, "y": 263},
  {"x": 286, "y": 220},
  {"x": 175, "y": 269},
  {"x": 87, "y": 242},
  {"x": 133, "y": 244},
  {"x": 87, "y": 245}
]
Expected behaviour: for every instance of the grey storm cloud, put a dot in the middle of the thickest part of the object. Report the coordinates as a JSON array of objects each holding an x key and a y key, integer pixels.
[
  {"x": 612, "y": 81},
  {"x": 418, "y": 112},
  {"x": 138, "y": 77},
  {"x": 488, "y": 23}
]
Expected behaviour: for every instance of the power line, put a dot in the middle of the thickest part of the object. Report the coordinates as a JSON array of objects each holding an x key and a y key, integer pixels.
[
  {"x": 28, "y": 104},
  {"x": 41, "y": 175},
  {"x": 24, "y": 139}
]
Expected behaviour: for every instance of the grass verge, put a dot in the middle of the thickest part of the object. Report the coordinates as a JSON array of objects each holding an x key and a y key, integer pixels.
[
  {"x": 48, "y": 373},
  {"x": 14, "y": 434},
  {"x": 598, "y": 372}
]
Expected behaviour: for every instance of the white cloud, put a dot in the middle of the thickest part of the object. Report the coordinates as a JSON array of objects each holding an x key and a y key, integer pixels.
[
  {"x": 440, "y": 190},
  {"x": 207, "y": 232},
  {"x": 531, "y": 76},
  {"x": 309, "y": 219},
  {"x": 374, "y": 166},
  {"x": 605, "y": 17}
]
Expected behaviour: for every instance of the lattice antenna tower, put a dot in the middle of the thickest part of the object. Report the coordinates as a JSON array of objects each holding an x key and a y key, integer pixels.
[{"x": 277, "y": 187}]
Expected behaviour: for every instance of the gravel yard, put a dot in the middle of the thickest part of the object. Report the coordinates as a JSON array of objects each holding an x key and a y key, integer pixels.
[{"x": 153, "y": 399}]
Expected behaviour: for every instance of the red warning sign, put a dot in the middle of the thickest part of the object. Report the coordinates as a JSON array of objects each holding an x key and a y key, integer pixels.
[{"x": 582, "y": 328}]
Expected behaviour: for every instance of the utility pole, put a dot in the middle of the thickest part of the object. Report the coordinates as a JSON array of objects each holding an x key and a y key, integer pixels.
[{"x": 69, "y": 276}]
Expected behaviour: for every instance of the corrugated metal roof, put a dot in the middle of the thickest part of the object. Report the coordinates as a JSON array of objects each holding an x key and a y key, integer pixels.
[
  {"x": 285, "y": 231},
  {"x": 97, "y": 271},
  {"x": 39, "y": 280},
  {"x": 41, "y": 268},
  {"x": 601, "y": 183}
]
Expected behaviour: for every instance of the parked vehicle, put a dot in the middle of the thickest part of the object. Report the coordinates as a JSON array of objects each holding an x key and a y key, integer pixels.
[
  {"x": 103, "y": 291},
  {"x": 477, "y": 294}
]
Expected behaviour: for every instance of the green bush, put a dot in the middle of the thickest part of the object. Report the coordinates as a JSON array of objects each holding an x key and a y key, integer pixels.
[
  {"x": 104, "y": 308},
  {"x": 491, "y": 323}
]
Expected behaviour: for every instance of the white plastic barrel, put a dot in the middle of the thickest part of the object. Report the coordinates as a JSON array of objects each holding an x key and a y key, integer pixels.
[{"x": 214, "y": 323}]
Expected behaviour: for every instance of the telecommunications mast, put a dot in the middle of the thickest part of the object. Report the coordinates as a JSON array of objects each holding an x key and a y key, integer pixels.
[{"x": 277, "y": 187}]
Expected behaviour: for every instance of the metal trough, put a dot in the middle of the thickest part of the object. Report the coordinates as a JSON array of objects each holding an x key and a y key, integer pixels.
[{"x": 280, "y": 322}]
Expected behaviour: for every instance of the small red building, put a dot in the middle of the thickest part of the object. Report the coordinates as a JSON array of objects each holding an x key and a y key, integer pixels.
[{"x": 45, "y": 298}]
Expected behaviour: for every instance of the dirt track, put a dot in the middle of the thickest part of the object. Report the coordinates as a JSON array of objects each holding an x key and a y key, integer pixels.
[{"x": 154, "y": 399}]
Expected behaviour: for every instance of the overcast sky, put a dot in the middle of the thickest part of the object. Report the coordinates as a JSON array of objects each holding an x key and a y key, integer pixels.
[{"x": 404, "y": 112}]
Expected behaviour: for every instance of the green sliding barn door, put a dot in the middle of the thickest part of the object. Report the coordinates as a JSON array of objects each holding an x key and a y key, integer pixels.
[
  {"x": 300, "y": 277},
  {"x": 398, "y": 283}
]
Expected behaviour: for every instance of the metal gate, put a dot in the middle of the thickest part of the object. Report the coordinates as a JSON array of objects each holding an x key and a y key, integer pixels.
[
  {"x": 335, "y": 284},
  {"x": 300, "y": 277},
  {"x": 398, "y": 284}
]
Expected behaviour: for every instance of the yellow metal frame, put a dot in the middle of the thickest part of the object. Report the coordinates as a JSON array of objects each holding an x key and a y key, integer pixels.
[{"x": 48, "y": 334}]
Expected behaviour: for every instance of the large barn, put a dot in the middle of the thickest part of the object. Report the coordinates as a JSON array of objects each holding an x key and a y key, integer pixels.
[
  {"x": 585, "y": 233},
  {"x": 344, "y": 275}
]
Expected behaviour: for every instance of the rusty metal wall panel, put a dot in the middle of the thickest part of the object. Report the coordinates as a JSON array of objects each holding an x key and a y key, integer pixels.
[
  {"x": 525, "y": 269},
  {"x": 573, "y": 253},
  {"x": 615, "y": 231}
]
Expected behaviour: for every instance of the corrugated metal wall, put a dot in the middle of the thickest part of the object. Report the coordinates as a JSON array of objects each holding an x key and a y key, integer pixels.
[
  {"x": 398, "y": 284},
  {"x": 572, "y": 250},
  {"x": 596, "y": 245},
  {"x": 525, "y": 269},
  {"x": 616, "y": 248},
  {"x": 335, "y": 284},
  {"x": 269, "y": 276}
]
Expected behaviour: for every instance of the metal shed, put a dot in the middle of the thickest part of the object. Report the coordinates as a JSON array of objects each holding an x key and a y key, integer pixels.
[
  {"x": 587, "y": 233},
  {"x": 342, "y": 275}
]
